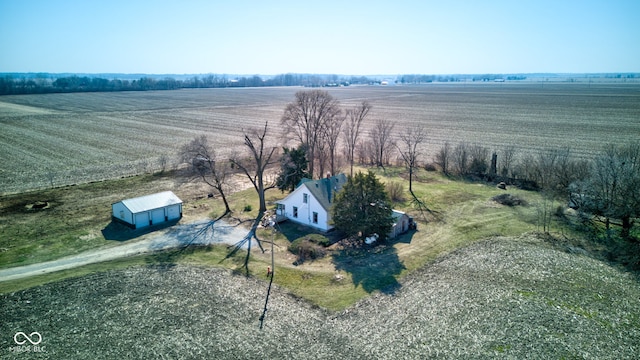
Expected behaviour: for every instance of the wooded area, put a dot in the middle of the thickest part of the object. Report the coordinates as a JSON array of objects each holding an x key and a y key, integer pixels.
[{"x": 52, "y": 83}]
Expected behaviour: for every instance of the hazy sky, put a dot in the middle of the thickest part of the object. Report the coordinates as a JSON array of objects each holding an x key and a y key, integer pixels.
[{"x": 341, "y": 37}]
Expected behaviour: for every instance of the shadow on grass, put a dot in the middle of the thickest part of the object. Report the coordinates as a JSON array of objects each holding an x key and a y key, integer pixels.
[
  {"x": 404, "y": 238},
  {"x": 119, "y": 232},
  {"x": 190, "y": 238},
  {"x": 373, "y": 268},
  {"x": 293, "y": 231}
]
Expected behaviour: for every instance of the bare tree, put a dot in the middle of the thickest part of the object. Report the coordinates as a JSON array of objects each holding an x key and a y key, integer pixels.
[
  {"x": 612, "y": 188},
  {"x": 544, "y": 210},
  {"x": 567, "y": 171},
  {"x": 254, "y": 166},
  {"x": 461, "y": 158},
  {"x": 332, "y": 135},
  {"x": 355, "y": 116},
  {"x": 306, "y": 117},
  {"x": 409, "y": 149},
  {"x": 410, "y": 141},
  {"x": 162, "y": 162},
  {"x": 382, "y": 141},
  {"x": 443, "y": 157},
  {"x": 506, "y": 160},
  {"x": 51, "y": 176},
  {"x": 321, "y": 155},
  {"x": 206, "y": 165},
  {"x": 544, "y": 168},
  {"x": 363, "y": 152},
  {"x": 478, "y": 155}
]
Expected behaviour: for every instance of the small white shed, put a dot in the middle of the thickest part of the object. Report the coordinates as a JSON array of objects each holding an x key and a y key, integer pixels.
[
  {"x": 147, "y": 210},
  {"x": 401, "y": 224}
]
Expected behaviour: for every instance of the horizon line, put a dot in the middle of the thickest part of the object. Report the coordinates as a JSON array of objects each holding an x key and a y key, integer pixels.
[{"x": 320, "y": 74}]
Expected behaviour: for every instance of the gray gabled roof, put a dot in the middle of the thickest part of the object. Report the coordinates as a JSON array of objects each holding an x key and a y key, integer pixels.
[
  {"x": 150, "y": 202},
  {"x": 325, "y": 190},
  {"x": 397, "y": 214}
]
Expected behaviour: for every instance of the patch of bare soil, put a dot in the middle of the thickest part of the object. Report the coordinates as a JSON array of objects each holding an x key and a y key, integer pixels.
[{"x": 514, "y": 298}]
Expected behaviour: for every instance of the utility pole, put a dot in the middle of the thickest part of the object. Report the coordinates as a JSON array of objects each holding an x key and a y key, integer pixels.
[{"x": 269, "y": 220}]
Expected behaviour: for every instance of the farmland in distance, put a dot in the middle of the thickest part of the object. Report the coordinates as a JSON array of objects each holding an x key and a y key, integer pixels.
[{"x": 62, "y": 139}]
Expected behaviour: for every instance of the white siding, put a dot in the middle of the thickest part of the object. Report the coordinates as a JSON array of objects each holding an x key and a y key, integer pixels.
[
  {"x": 148, "y": 210},
  {"x": 305, "y": 211},
  {"x": 401, "y": 224},
  {"x": 157, "y": 216},
  {"x": 174, "y": 212},
  {"x": 122, "y": 213},
  {"x": 142, "y": 220}
]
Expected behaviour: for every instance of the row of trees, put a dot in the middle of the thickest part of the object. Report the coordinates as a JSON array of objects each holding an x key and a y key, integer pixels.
[
  {"x": 44, "y": 83},
  {"x": 318, "y": 124},
  {"x": 326, "y": 134},
  {"x": 606, "y": 186}
]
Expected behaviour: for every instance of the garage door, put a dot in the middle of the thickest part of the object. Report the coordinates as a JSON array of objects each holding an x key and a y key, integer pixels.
[
  {"x": 157, "y": 216},
  {"x": 142, "y": 220},
  {"x": 173, "y": 212}
]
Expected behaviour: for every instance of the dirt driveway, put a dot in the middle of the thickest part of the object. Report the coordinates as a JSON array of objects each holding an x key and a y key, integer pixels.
[{"x": 202, "y": 232}]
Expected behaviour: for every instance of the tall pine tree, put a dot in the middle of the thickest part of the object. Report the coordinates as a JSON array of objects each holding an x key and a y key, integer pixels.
[
  {"x": 293, "y": 168},
  {"x": 362, "y": 207}
]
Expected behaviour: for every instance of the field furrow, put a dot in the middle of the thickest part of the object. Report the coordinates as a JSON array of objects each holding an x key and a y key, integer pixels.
[{"x": 90, "y": 136}]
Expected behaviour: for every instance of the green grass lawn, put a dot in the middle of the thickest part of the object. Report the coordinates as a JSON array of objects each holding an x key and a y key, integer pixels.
[
  {"x": 73, "y": 221},
  {"x": 464, "y": 214}
]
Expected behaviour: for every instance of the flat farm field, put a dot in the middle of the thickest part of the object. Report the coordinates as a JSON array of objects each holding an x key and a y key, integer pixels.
[{"x": 62, "y": 139}]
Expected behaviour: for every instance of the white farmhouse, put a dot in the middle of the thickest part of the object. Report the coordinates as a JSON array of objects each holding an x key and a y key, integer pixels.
[
  {"x": 147, "y": 210},
  {"x": 310, "y": 203}
]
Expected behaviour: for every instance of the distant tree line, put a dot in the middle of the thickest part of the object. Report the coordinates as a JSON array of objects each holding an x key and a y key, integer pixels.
[
  {"x": 425, "y": 79},
  {"x": 46, "y": 83}
]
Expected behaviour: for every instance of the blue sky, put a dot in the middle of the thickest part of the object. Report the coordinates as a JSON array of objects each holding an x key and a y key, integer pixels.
[{"x": 342, "y": 37}]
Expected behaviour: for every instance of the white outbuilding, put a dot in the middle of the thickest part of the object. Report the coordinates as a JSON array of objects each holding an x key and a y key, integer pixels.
[{"x": 147, "y": 210}]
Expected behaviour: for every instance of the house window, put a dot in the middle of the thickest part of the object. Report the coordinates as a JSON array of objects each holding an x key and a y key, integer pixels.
[
  {"x": 305, "y": 198},
  {"x": 315, "y": 217},
  {"x": 295, "y": 212}
]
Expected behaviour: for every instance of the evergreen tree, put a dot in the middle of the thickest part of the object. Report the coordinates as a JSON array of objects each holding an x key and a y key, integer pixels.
[
  {"x": 293, "y": 168},
  {"x": 362, "y": 207}
]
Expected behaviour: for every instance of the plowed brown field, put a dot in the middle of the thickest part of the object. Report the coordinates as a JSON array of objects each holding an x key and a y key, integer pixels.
[{"x": 62, "y": 139}]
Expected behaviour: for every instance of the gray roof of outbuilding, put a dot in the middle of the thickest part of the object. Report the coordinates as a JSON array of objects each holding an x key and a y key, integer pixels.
[
  {"x": 325, "y": 190},
  {"x": 150, "y": 202}
]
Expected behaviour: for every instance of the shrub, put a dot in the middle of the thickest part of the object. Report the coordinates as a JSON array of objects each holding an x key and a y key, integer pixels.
[
  {"x": 509, "y": 200},
  {"x": 306, "y": 249},
  {"x": 430, "y": 167},
  {"x": 318, "y": 239},
  {"x": 247, "y": 208},
  {"x": 395, "y": 190}
]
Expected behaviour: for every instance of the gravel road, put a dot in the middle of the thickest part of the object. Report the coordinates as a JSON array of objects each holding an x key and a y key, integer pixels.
[{"x": 201, "y": 232}]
